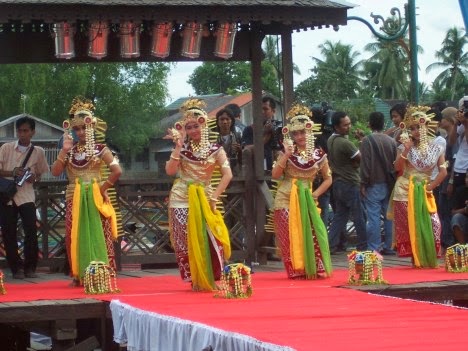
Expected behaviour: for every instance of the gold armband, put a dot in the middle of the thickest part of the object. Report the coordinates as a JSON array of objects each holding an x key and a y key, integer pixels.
[
  {"x": 109, "y": 182},
  {"x": 175, "y": 158}
]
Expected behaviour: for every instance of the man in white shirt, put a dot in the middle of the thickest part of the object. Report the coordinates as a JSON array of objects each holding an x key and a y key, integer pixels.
[{"x": 23, "y": 204}]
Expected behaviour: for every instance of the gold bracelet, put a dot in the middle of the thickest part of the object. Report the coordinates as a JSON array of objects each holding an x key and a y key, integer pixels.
[
  {"x": 403, "y": 157},
  {"x": 175, "y": 158},
  {"x": 109, "y": 182},
  {"x": 61, "y": 160},
  {"x": 213, "y": 199}
]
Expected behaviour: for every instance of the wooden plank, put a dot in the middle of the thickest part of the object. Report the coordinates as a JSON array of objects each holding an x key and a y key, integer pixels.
[{"x": 51, "y": 310}]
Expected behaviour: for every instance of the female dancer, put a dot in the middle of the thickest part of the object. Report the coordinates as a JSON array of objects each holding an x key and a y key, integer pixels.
[
  {"x": 198, "y": 233},
  {"x": 91, "y": 225},
  {"x": 417, "y": 225},
  {"x": 300, "y": 232}
]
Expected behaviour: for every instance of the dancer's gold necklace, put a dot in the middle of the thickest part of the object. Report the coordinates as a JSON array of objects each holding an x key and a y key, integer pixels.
[
  {"x": 81, "y": 148},
  {"x": 195, "y": 146}
]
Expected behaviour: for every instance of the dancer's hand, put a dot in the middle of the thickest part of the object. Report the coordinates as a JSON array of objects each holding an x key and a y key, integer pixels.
[
  {"x": 67, "y": 142},
  {"x": 177, "y": 137},
  {"x": 288, "y": 147}
]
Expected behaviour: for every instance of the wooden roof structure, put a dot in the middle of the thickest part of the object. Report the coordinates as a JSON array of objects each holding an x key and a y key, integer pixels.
[
  {"x": 26, "y": 25},
  {"x": 26, "y": 31}
]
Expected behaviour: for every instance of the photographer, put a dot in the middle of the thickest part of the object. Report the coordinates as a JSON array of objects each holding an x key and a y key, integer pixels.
[
  {"x": 458, "y": 140},
  {"x": 12, "y": 156},
  {"x": 271, "y": 132}
]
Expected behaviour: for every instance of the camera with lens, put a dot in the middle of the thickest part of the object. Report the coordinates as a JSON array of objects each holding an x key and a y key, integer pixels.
[
  {"x": 19, "y": 180},
  {"x": 276, "y": 134},
  {"x": 465, "y": 108}
]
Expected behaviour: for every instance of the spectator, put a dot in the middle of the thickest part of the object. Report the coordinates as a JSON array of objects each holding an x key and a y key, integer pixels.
[
  {"x": 344, "y": 158},
  {"x": 444, "y": 202},
  {"x": 229, "y": 139},
  {"x": 397, "y": 113},
  {"x": 460, "y": 214},
  {"x": 271, "y": 132},
  {"x": 378, "y": 151},
  {"x": 236, "y": 111},
  {"x": 458, "y": 139},
  {"x": 23, "y": 205}
]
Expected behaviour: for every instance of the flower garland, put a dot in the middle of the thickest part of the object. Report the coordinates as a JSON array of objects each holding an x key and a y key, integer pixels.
[
  {"x": 361, "y": 268},
  {"x": 2, "y": 286},
  {"x": 456, "y": 258},
  {"x": 100, "y": 278},
  {"x": 235, "y": 282}
]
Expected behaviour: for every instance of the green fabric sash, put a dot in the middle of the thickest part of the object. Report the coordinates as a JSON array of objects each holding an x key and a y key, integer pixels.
[
  {"x": 311, "y": 219},
  {"x": 91, "y": 242},
  {"x": 424, "y": 231}
]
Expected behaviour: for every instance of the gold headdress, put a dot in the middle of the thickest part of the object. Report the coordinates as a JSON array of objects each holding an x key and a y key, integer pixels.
[
  {"x": 299, "y": 118},
  {"x": 417, "y": 115},
  {"x": 82, "y": 113},
  {"x": 192, "y": 111}
]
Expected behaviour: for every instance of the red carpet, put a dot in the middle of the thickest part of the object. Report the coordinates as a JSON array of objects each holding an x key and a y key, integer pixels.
[{"x": 305, "y": 315}]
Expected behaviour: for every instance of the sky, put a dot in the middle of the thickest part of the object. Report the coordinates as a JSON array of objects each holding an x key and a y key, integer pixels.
[{"x": 433, "y": 18}]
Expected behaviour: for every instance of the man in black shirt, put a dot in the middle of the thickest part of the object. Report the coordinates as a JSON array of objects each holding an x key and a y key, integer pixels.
[{"x": 271, "y": 132}]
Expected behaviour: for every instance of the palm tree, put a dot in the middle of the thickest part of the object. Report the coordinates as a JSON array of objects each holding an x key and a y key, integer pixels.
[
  {"x": 387, "y": 70},
  {"x": 453, "y": 60},
  {"x": 273, "y": 58},
  {"x": 338, "y": 73}
]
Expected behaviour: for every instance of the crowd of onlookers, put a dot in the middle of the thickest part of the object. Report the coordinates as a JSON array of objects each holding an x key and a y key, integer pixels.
[{"x": 364, "y": 175}]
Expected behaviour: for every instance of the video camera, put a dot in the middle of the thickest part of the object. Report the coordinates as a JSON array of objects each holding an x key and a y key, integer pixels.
[
  {"x": 19, "y": 180},
  {"x": 465, "y": 108}
]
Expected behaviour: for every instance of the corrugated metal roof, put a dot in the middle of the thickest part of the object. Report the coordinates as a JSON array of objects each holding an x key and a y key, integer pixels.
[{"x": 12, "y": 120}]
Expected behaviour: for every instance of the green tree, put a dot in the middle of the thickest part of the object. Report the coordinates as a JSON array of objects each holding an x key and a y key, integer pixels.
[
  {"x": 130, "y": 97},
  {"x": 274, "y": 56},
  {"x": 454, "y": 61},
  {"x": 230, "y": 77},
  {"x": 335, "y": 77},
  {"x": 220, "y": 77},
  {"x": 387, "y": 71}
]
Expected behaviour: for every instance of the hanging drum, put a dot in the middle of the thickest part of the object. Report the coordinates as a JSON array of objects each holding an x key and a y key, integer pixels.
[
  {"x": 191, "y": 41},
  {"x": 64, "y": 44},
  {"x": 98, "y": 33},
  {"x": 129, "y": 39},
  {"x": 225, "y": 36},
  {"x": 161, "y": 43}
]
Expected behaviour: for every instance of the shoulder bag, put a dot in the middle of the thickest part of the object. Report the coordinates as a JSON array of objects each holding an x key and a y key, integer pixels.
[{"x": 7, "y": 186}]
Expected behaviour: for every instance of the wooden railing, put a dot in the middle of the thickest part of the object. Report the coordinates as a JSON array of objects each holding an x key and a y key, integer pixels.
[{"x": 144, "y": 218}]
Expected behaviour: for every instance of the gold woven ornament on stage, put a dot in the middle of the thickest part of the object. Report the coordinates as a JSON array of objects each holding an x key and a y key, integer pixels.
[
  {"x": 365, "y": 268},
  {"x": 2, "y": 286},
  {"x": 235, "y": 282},
  {"x": 100, "y": 278},
  {"x": 456, "y": 258}
]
